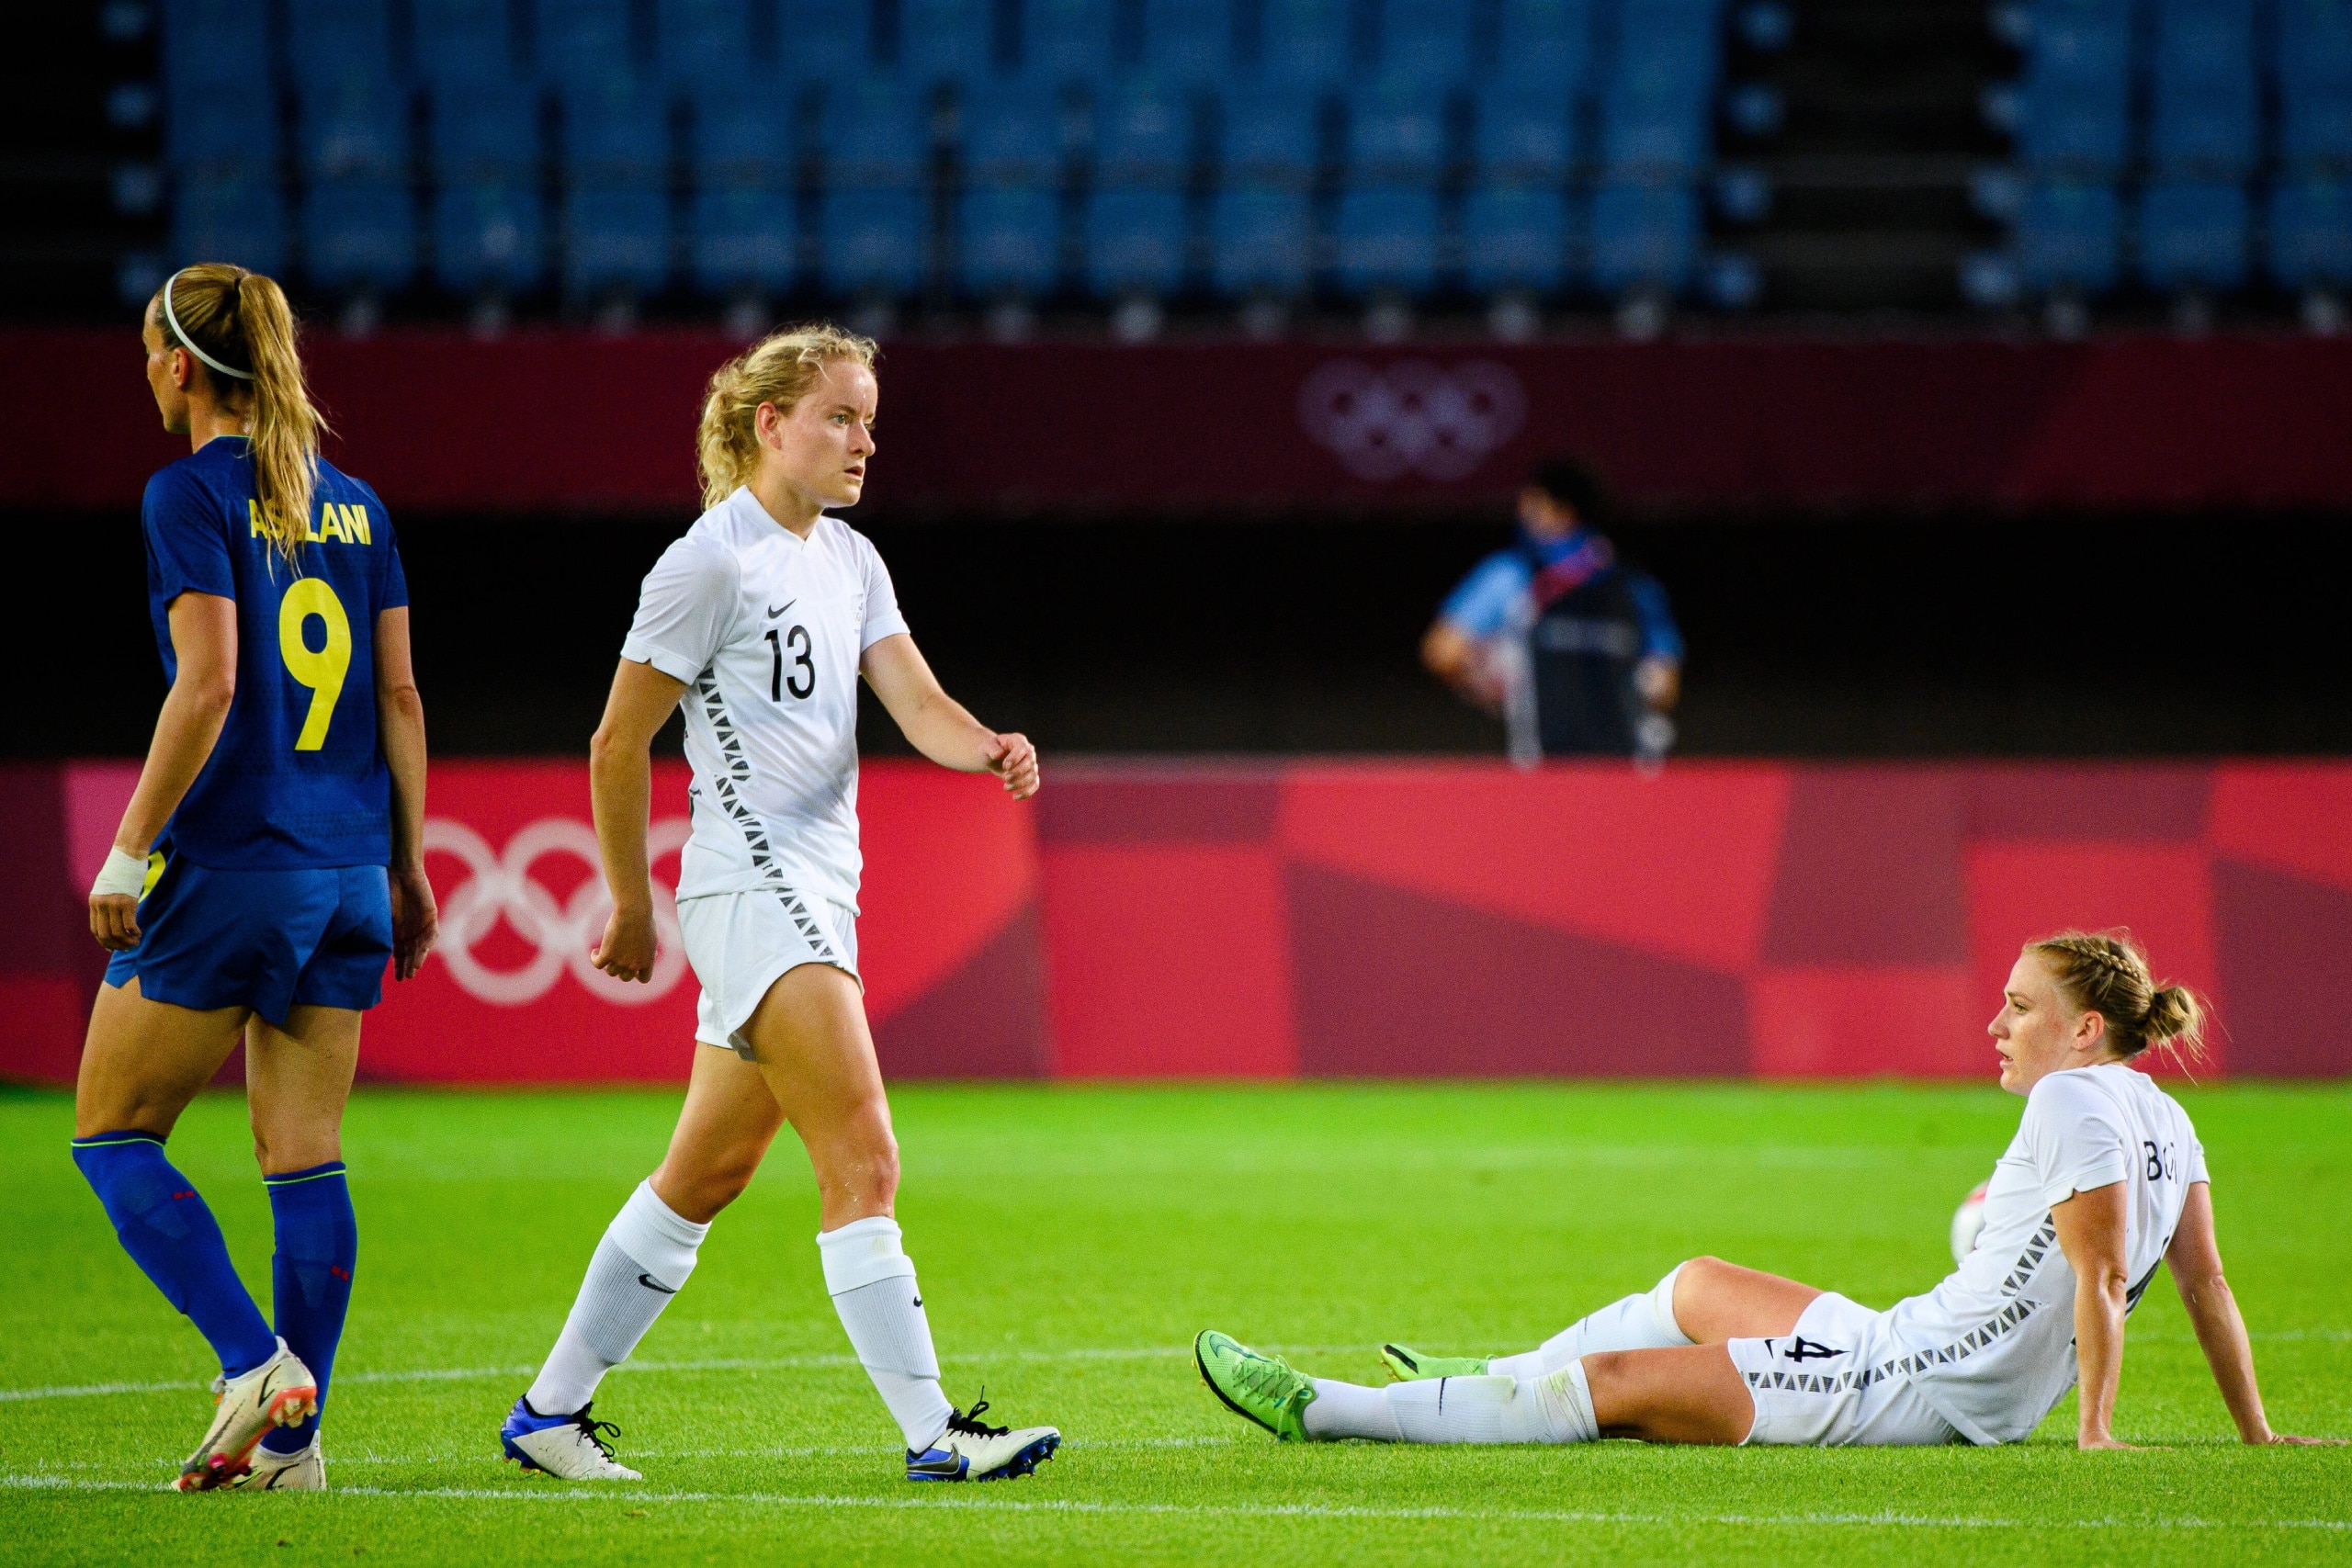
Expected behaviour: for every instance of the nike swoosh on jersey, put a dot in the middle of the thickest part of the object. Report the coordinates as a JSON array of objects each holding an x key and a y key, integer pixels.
[
  {"x": 651, "y": 1283},
  {"x": 780, "y": 609}
]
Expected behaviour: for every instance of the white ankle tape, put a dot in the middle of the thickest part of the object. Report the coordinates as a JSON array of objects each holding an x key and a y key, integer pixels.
[
  {"x": 1566, "y": 1400},
  {"x": 660, "y": 1240},
  {"x": 861, "y": 1252}
]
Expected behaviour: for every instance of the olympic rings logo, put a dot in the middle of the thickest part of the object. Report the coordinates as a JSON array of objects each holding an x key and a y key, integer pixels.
[
  {"x": 1411, "y": 417},
  {"x": 501, "y": 888}
]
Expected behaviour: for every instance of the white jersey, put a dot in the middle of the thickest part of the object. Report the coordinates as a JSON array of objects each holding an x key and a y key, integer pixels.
[
  {"x": 1991, "y": 1349},
  {"x": 767, "y": 630}
]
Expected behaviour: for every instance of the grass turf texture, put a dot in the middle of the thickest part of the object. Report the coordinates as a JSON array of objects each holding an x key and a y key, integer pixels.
[{"x": 1071, "y": 1241}]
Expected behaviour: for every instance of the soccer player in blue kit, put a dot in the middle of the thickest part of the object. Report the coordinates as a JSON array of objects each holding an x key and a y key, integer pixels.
[{"x": 270, "y": 864}]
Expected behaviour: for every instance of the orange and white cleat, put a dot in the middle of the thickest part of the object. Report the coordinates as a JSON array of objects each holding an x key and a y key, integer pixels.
[{"x": 279, "y": 1392}]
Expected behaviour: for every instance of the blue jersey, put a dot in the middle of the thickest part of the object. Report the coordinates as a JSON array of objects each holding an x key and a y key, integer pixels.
[
  {"x": 1497, "y": 596},
  {"x": 297, "y": 777}
]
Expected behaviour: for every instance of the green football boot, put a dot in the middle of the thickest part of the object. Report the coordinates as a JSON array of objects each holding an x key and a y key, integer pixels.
[
  {"x": 1261, "y": 1388},
  {"x": 1411, "y": 1366}
]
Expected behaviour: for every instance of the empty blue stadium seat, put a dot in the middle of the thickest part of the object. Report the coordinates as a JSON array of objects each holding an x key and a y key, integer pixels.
[
  {"x": 2081, "y": 133},
  {"x": 359, "y": 233},
  {"x": 1384, "y": 237},
  {"x": 1306, "y": 43},
  {"x": 2068, "y": 236},
  {"x": 2315, "y": 82},
  {"x": 1268, "y": 133},
  {"x": 1546, "y": 45},
  {"x": 1658, "y": 90},
  {"x": 872, "y": 240},
  {"x": 1142, "y": 132},
  {"x": 742, "y": 224},
  {"x": 1011, "y": 131},
  {"x": 1009, "y": 239},
  {"x": 325, "y": 37},
  {"x": 353, "y": 123},
  {"x": 946, "y": 40},
  {"x": 1514, "y": 237},
  {"x": 1524, "y": 133},
  {"x": 1188, "y": 42},
  {"x": 584, "y": 42},
  {"x": 1067, "y": 40},
  {"x": 1136, "y": 240},
  {"x": 704, "y": 43},
  {"x": 616, "y": 156},
  {"x": 1396, "y": 131},
  {"x": 1643, "y": 235},
  {"x": 229, "y": 216},
  {"x": 220, "y": 127},
  {"x": 2193, "y": 236},
  {"x": 871, "y": 128},
  {"x": 2203, "y": 111},
  {"x": 2310, "y": 233},
  {"x": 1260, "y": 238},
  {"x": 488, "y": 232},
  {"x": 821, "y": 41},
  {"x": 1427, "y": 41},
  {"x": 216, "y": 44},
  {"x": 488, "y": 218},
  {"x": 464, "y": 41}
]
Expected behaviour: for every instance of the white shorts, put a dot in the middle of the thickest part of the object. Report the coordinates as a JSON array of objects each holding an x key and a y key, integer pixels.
[
  {"x": 741, "y": 943},
  {"x": 1827, "y": 1384}
]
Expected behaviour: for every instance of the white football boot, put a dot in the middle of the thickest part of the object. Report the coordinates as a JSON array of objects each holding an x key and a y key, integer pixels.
[
  {"x": 570, "y": 1447},
  {"x": 271, "y": 1472},
  {"x": 972, "y": 1451},
  {"x": 279, "y": 1392}
]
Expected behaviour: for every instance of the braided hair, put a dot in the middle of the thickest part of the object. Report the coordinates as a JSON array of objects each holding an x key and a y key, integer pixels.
[{"x": 2105, "y": 972}]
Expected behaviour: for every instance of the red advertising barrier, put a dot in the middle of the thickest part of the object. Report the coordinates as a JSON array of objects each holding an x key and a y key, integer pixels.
[
  {"x": 1394, "y": 919},
  {"x": 572, "y": 421}
]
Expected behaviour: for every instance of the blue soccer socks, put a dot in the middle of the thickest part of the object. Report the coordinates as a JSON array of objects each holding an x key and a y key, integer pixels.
[
  {"x": 318, "y": 1244},
  {"x": 172, "y": 1236}
]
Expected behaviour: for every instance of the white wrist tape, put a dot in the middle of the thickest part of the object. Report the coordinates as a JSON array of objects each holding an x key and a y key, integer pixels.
[{"x": 123, "y": 873}]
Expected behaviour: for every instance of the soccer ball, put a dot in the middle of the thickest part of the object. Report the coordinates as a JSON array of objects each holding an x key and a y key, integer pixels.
[{"x": 1966, "y": 1222}]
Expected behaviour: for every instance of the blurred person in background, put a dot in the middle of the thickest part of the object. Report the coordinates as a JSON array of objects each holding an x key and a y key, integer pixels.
[{"x": 1577, "y": 652}]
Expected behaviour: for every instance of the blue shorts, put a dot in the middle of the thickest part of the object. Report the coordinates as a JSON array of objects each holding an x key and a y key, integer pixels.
[{"x": 264, "y": 940}]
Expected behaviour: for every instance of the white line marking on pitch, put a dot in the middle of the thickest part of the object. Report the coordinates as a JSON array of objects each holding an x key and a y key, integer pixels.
[
  {"x": 813, "y": 1362},
  {"x": 1251, "y": 1510}
]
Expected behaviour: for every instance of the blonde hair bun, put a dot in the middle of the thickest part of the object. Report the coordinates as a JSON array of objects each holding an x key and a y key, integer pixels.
[{"x": 2107, "y": 972}]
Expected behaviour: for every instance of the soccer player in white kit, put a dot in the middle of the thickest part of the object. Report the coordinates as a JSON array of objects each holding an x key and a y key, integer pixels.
[
  {"x": 2104, "y": 1180},
  {"x": 758, "y": 622}
]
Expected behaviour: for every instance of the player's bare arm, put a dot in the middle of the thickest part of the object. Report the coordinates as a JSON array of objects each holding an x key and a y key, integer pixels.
[
  {"x": 399, "y": 719},
  {"x": 938, "y": 726},
  {"x": 620, "y": 786},
  {"x": 2195, "y": 1259},
  {"x": 204, "y": 638},
  {"x": 2091, "y": 1232}
]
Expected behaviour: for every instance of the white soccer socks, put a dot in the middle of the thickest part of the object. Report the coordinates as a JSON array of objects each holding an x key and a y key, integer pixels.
[
  {"x": 1552, "y": 1408},
  {"x": 1643, "y": 1322},
  {"x": 643, "y": 1260},
  {"x": 871, "y": 1281}
]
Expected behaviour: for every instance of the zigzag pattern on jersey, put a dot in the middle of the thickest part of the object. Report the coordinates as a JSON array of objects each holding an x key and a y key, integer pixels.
[
  {"x": 734, "y": 768},
  {"x": 1995, "y": 1328}
]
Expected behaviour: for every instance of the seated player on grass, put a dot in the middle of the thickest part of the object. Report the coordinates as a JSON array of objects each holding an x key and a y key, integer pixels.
[{"x": 2104, "y": 1180}]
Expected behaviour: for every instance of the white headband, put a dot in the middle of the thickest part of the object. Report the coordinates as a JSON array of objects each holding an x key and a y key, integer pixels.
[{"x": 189, "y": 343}]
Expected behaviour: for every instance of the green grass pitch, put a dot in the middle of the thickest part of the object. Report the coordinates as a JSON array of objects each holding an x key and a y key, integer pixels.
[{"x": 1071, "y": 1240}]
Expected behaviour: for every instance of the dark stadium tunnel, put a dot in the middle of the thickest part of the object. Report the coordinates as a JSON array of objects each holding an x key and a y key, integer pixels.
[{"x": 1869, "y": 635}]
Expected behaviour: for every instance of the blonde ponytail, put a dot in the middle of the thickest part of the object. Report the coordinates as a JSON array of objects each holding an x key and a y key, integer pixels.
[
  {"x": 238, "y": 324},
  {"x": 2105, "y": 972},
  {"x": 778, "y": 369}
]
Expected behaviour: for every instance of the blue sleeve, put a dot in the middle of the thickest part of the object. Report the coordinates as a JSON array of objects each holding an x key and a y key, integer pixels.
[
  {"x": 1482, "y": 603},
  {"x": 188, "y": 538},
  {"x": 1661, "y": 639},
  {"x": 391, "y": 582}
]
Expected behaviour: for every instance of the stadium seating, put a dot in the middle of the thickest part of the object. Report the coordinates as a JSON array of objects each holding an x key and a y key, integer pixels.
[
  {"x": 1300, "y": 142},
  {"x": 2311, "y": 234},
  {"x": 2202, "y": 103},
  {"x": 2069, "y": 237},
  {"x": 2193, "y": 236},
  {"x": 742, "y": 225}
]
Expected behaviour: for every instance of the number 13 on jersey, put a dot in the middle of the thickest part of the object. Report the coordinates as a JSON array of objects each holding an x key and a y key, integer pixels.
[
  {"x": 804, "y": 669},
  {"x": 321, "y": 670}
]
